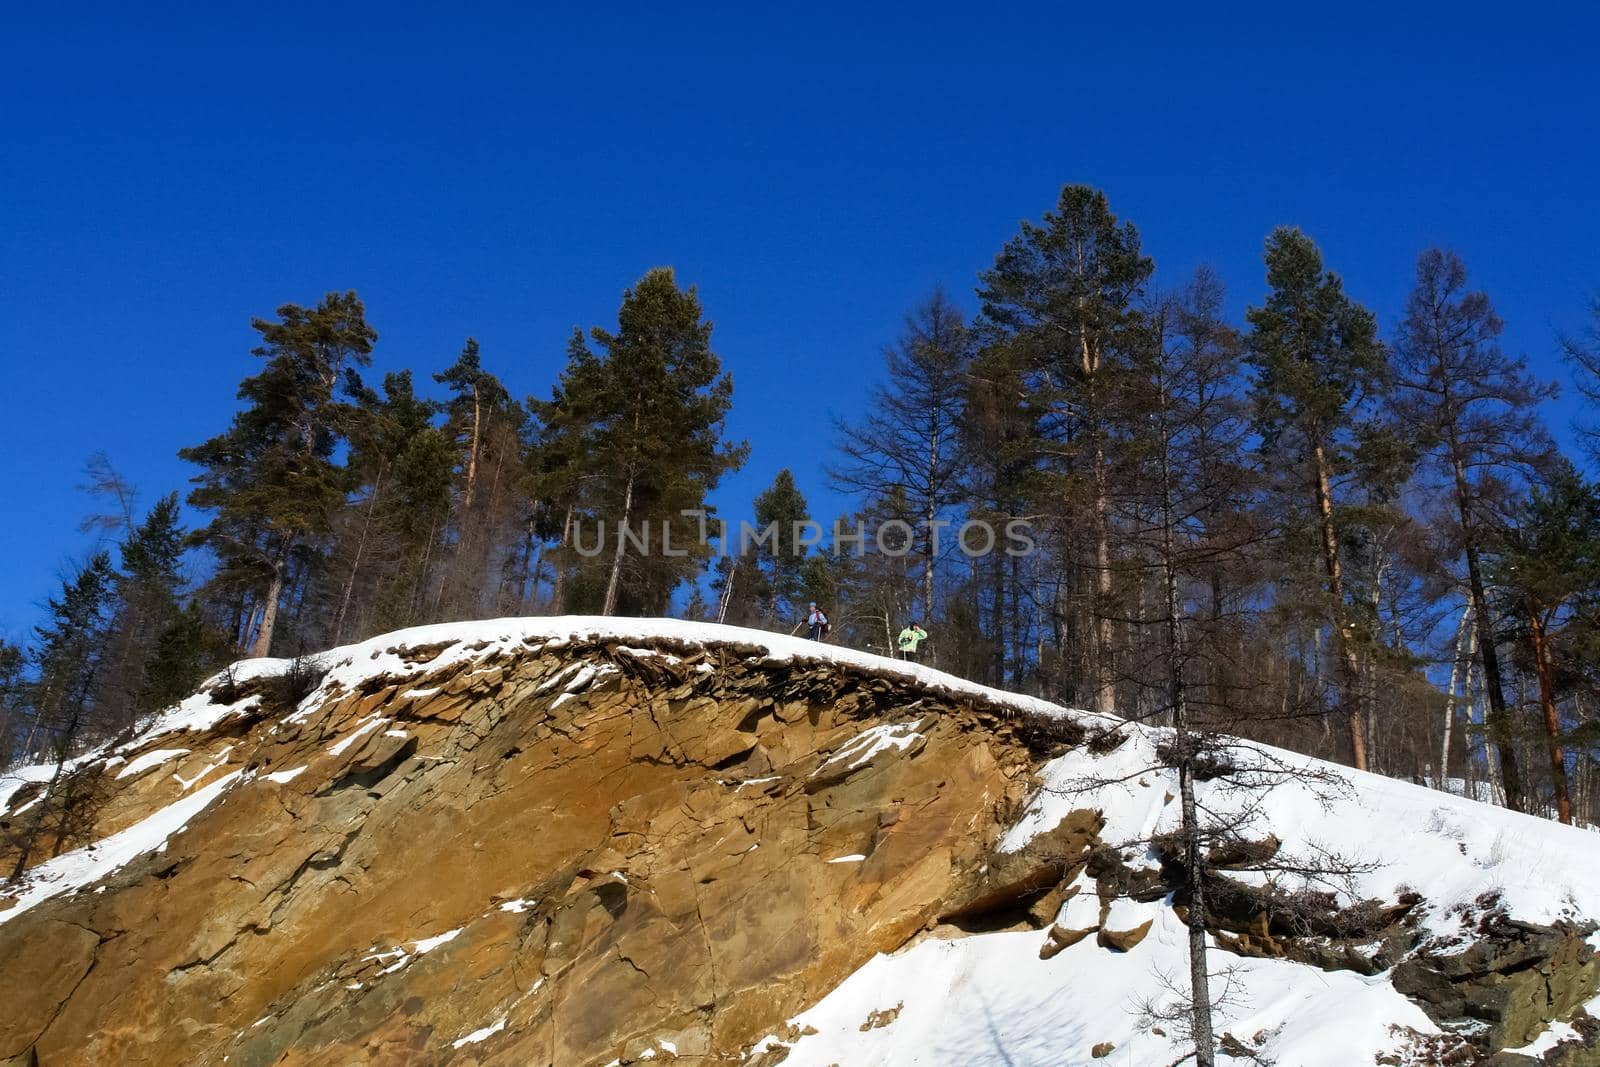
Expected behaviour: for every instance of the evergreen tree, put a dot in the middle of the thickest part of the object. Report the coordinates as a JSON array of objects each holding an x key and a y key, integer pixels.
[
  {"x": 1318, "y": 368},
  {"x": 1475, "y": 411},
  {"x": 271, "y": 480},
  {"x": 183, "y": 654},
  {"x": 69, "y": 652},
  {"x": 475, "y": 393},
  {"x": 490, "y": 511},
  {"x": 652, "y": 401},
  {"x": 399, "y": 466},
  {"x": 147, "y": 591},
  {"x": 1549, "y": 569},
  {"x": 1063, "y": 296},
  {"x": 779, "y": 511},
  {"x": 999, "y": 483},
  {"x": 12, "y": 692}
]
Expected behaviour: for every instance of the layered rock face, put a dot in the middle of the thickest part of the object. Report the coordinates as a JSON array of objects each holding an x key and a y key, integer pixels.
[{"x": 591, "y": 849}]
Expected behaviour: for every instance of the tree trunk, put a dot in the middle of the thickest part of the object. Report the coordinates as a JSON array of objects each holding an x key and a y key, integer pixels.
[
  {"x": 1462, "y": 629},
  {"x": 727, "y": 590},
  {"x": 1495, "y": 717},
  {"x": 1539, "y": 638},
  {"x": 1105, "y": 687},
  {"x": 614, "y": 580},
  {"x": 1343, "y": 634},
  {"x": 355, "y": 565},
  {"x": 269, "y": 613},
  {"x": 472, "y": 451},
  {"x": 928, "y": 535},
  {"x": 558, "y": 587},
  {"x": 1199, "y": 969}
]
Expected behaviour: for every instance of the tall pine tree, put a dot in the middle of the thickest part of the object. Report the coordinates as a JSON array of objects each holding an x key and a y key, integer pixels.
[
  {"x": 271, "y": 481},
  {"x": 1318, "y": 369},
  {"x": 1063, "y": 296}
]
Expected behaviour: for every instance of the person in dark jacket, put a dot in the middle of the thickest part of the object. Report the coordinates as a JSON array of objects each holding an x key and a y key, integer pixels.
[{"x": 816, "y": 623}]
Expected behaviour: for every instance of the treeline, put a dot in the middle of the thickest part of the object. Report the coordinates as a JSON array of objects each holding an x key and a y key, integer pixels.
[
  {"x": 1329, "y": 521},
  {"x": 1376, "y": 552},
  {"x": 336, "y": 511}
]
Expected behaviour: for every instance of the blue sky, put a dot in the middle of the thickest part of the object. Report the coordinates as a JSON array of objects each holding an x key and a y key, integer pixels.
[{"x": 815, "y": 171}]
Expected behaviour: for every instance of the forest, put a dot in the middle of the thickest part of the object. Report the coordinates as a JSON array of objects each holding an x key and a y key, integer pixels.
[{"x": 1299, "y": 528}]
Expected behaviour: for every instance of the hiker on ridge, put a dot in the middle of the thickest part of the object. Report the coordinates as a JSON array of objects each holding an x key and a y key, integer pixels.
[
  {"x": 909, "y": 639},
  {"x": 816, "y": 623}
]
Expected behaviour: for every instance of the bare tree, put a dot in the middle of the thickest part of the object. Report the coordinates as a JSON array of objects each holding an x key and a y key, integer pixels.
[
  {"x": 908, "y": 441},
  {"x": 1476, "y": 411}
]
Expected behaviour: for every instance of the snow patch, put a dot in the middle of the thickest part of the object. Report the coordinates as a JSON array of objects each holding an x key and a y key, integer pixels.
[
  {"x": 480, "y": 1035},
  {"x": 150, "y": 759},
  {"x": 85, "y": 866},
  {"x": 861, "y": 749},
  {"x": 351, "y": 738}
]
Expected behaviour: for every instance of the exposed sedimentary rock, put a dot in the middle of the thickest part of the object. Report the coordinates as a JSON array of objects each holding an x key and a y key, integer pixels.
[{"x": 585, "y": 851}]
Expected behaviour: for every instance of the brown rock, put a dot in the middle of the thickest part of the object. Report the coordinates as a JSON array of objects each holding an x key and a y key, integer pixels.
[{"x": 1123, "y": 940}]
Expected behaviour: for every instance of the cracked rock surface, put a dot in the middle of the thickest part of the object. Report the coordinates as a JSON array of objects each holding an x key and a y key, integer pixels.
[{"x": 599, "y": 848}]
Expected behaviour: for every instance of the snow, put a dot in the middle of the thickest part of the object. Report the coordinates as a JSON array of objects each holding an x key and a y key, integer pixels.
[
  {"x": 990, "y": 999},
  {"x": 860, "y": 749},
  {"x": 217, "y": 761},
  {"x": 856, "y": 858},
  {"x": 480, "y": 1035},
  {"x": 85, "y": 866},
  {"x": 350, "y": 665},
  {"x": 351, "y": 738},
  {"x": 384, "y": 655},
  {"x": 403, "y": 958},
  {"x": 518, "y": 906},
  {"x": 428, "y": 944},
  {"x": 1450, "y": 849},
  {"x": 285, "y": 777},
  {"x": 155, "y": 758},
  {"x": 13, "y": 781}
]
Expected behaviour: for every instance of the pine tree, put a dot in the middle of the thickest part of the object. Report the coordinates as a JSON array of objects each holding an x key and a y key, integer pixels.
[
  {"x": 1318, "y": 368},
  {"x": 779, "y": 511},
  {"x": 12, "y": 692},
  {"x": 1064, "y": 297},
  {"x": 146, "y": 603},
  {"x": 652, "y": 403},
  {"x": 488, "y": 430},
  {"x": 999, "y": 482},
  {"x": 399, "y": 468},
  {"x": 1475, "y": 410},
  {"x": 1548, "y": 567},
  {"x": 271, "y": 480},
  {"x": 69, "y": 652},
  {"x": 476, "y": 393},
  {"x": 183, "y": 654}
]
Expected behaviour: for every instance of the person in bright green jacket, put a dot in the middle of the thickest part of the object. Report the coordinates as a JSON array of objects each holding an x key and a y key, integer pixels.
[{"x": 910, "y": 638}]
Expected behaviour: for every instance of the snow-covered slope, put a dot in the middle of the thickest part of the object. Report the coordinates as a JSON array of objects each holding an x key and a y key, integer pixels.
[
  {"x": 873, "y": 797},
  {"x": 991, "y": 999}
]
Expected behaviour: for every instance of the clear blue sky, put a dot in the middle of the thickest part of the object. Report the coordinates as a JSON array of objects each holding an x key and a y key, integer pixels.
[{"x": 813, "y": 170}]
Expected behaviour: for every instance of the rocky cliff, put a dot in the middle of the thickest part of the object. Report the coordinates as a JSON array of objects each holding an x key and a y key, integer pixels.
[{"x": 592, "y": 842}]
